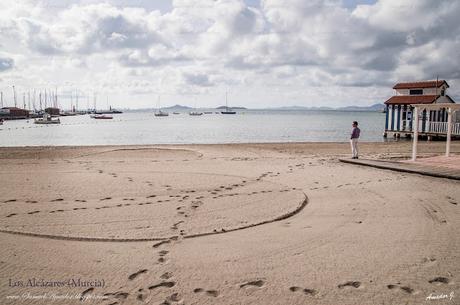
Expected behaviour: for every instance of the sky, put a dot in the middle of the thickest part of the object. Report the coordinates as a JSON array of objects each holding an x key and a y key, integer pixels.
[{"x": 263, "y": 53}]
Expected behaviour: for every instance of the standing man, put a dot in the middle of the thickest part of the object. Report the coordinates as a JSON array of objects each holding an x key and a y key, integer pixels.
[{"x": 354, "y": 140}]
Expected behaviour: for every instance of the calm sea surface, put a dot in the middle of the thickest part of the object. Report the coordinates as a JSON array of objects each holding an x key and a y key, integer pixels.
[{"x": 249, "y": 126}]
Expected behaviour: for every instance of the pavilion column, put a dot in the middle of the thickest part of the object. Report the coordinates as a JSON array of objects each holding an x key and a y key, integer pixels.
[
  {"x": 415, "y": 134},
  {"x": 449, "y": 130}
]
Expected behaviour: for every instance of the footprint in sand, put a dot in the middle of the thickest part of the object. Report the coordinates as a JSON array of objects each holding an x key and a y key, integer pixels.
[
  {"x": 11, "y": 215},
  {"x": 85, "y": 293},
  {"x": 11, "y": 200},
  {"x": 166, "y": 276},
  {"x": 31, "y": 201},
  {"x": 163, "y": 284},
  {"x": 212, "y": 293},
  {"x": 256, "y": 283},
  {"x": 119, "y": 295},
  {"x": 406, "y": 289},
  {"x": 56, "y": 200},
  {"x": 106, "y": 198},
  {"x": 439, "y": 280},
  {"x": 136, "y": 274},
  {"x": 163, "y": 252},
  {"x": 306, "y": 291},
  {"x": 353, "y": 284},
  {"x": 173, "y": 298},
  {"x": 33, "y": 212}
]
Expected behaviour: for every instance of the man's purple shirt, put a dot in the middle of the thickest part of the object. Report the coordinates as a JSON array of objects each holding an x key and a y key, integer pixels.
[{"x": 355, "y": 133}]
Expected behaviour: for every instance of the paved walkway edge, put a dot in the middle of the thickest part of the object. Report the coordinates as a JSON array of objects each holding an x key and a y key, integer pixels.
[{"x": 399, "y": 167}]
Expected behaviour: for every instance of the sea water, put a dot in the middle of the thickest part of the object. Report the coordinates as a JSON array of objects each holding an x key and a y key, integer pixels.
[{"x": 247, "y": 126}]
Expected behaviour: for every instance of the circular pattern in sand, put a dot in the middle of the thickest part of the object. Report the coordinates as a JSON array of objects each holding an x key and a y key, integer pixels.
[{"x": 185, "y": 204}]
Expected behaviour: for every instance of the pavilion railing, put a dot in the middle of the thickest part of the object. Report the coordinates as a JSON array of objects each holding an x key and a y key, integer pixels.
[{"x": 441, "y": 127}]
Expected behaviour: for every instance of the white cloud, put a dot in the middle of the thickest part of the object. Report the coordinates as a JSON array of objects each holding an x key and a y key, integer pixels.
[{"x": 290, "y": 48}]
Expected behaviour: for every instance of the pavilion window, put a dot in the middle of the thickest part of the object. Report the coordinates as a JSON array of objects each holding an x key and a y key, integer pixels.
[{"x": 416, "y": 91}]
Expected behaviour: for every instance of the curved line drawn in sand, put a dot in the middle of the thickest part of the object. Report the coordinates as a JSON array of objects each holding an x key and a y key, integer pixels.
[
  {"x": 294, "y": 212},
  {"x": 200, "y": 155}
]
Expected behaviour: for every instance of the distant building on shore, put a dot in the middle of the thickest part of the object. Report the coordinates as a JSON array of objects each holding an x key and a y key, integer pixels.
[
  {"x": 53, "y": 111},
  {"x": 399, "y": 109},
  {"x": 13, "y": 113}
]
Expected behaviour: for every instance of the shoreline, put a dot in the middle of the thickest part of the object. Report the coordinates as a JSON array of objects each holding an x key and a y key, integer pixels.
[{"x": 371, "y": 149}]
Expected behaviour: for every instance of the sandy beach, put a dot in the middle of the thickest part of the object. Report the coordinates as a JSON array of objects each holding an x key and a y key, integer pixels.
[{"x": 225, "y": 224}]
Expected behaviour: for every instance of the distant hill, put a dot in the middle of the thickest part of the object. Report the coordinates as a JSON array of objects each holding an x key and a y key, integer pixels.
[
  {"x": 177, "y": 107},
  {"x": 234, "y": 108},
  {"x": 375, "y": 107}
]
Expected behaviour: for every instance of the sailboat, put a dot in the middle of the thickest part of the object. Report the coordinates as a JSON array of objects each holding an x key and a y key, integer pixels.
[
  {"x": 160, "y": 112},
  {"x": 227, "y": 110},
  {"x": 195, "y": 112}
]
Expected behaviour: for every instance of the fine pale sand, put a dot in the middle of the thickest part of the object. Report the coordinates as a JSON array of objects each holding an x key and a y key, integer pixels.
[{"x": 225, "y": 224}]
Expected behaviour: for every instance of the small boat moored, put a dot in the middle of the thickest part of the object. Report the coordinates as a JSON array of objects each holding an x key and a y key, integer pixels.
[
  {"x": 161, "y": 113},
  {"x": 101, "y": 117},
  {"x": 47, "y": 119}
]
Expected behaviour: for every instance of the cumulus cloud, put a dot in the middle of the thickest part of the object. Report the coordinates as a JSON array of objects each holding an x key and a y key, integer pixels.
[
  {"x": 293, "y": 45},
  {"x": 201, "y": 80}
]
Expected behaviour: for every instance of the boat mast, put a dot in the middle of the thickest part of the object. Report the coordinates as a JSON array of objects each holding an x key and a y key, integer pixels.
[
  {"x": 1, "y": 99},
  {"x": 76, "y": 99},
  {"x": 14, "y": 97},
  {"x": 71, "y": 100},
  {"x": 24, "y": 100},
  {"x": 33, "y": 101},
  {"x": 94, "y": 101},
  {"x": 28, "y": 96}
]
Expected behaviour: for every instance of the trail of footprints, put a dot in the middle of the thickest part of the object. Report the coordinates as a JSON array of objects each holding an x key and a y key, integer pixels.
[
  {"x": 166, "y": 282},
  {"x": 195, "y": 204},
  {"x": 349, "y": 184}
]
